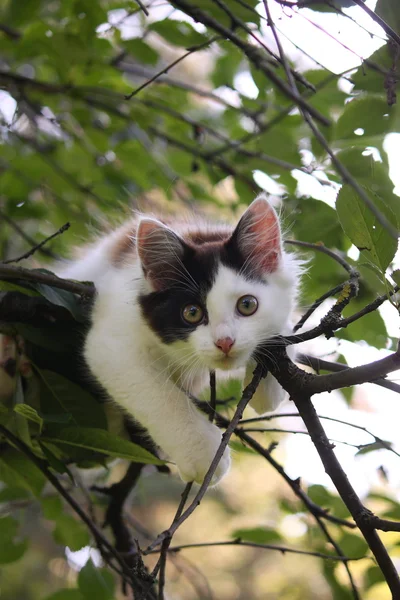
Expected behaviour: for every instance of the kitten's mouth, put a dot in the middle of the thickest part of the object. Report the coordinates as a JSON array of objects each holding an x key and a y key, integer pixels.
[{"x": 227, "y": 363}]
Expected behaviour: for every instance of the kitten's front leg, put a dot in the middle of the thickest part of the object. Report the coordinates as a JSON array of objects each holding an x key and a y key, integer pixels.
[
  {"x": 184, "y": 433},
  {"x": 193, "y": 457},
  {"x": 172, "y": 420}
]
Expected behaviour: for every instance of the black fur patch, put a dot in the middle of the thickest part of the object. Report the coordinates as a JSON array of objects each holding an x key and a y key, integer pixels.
[
  {"x": 192, "y": 282},
  {"x": 163, "y": 309}
]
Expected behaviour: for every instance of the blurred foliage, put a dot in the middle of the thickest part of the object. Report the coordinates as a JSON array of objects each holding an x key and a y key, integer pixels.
[{"x": 73, "y": 148}]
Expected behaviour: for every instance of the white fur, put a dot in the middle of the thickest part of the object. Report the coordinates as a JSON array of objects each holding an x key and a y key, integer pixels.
[{"x": 150, "y": 380}]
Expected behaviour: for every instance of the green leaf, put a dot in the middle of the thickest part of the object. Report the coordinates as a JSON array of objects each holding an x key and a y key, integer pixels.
[
  {"x": 226, "y": 67},
  {"x": 17, "y": 17},
  {"x": 321, "y": 496},
  {"x": 7, "y": 286},
  {"x": 54, "y": 462},
  {"x": 367, "y": 448},
  {"x": 9, "y": 494},
  {"x": 372, "y": 114},
  {"x": 10, "y": 551},
  {"x": 29, "y": 413},
  {"x": 44, "y": 337},
  {"x": 372, "y": 175},
  {"x": 239, "y": 447},
  {"x": 20, "y": 425},
  {"x": 52, "y": 507},
  {"x": 104, "y": 442},
  {"x": 70, "y": 532},
  {"x": 17, "y": 470},
  {"x": 60, "y": 297},
  {"x": 353, "y": 545},
  {"x": 259, "y": 535},
  {"x": 96, "y": 583},
  {"x": 372, "y": 576},
  {"x": 363, "y": 229},
  {"x": 396, "y": 276},
  {"x": 371, "y": 328},
  {"x": 62, "y": 397},
  {"x": 178, "y": 33},
  {"x": 326, "y": 227},
  {"x": 73, "y": 594},
  {"x": 141, "y": 51},
  {"x": 388, "y": 10}
]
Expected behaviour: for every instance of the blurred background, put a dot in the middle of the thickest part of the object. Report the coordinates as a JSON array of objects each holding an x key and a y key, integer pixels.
[{"x": 206, "y": 136}]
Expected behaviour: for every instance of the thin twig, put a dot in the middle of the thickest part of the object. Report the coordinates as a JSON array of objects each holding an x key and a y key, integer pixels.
[
  {"x": 25, "y": 236},
  {"x": 320, "y": 247},
  {"x": 333, "y": 419},
  {"x": 294, "y": 484},
  {"x": 282, "y": 549},
  {"x": 316, "y": 304},
  {"x": 173, "y": 64},
  {"x": 342, "y": 170},
  {"x": 142, "y": 7},
  {"x": 253, "y": 54},
  {"x": 225, "y": 166},
  {"x": 98, "y": 535},
  {"x": 161, "y": 563},
  {"x": 213, "y": 396},
  {"x": 327, "y": 325},
  {"x": 246, "y": 397},
  {"x": 387, "y": 29},
  {"x": 296, "y": 432},
  {"x": 39, "y": 246}
]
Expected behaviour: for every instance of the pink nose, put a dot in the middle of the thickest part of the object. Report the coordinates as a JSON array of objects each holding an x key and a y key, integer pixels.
[{"x": 225, "y": 344}]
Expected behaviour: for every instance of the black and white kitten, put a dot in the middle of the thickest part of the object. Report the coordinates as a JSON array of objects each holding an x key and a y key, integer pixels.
[{"x": 175, "y": 301}]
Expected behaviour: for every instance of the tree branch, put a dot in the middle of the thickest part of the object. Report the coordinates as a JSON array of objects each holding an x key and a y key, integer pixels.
[
  {"x": 341, "y": 169},
  {"x": 127, "y": 574},
  {"x": 387, "y": 29},
  {"x": 253, "y": 54},
  {"x": 282, "y": 549},
  {"x": 38, "y": 246},
  {"x": 360, "y": 514},
  {"x": 248, "y": 392},
  {"x": 8, "y": 272},
  {"x": 175, "y": 62},
  {"x": 318, "y": 363}
]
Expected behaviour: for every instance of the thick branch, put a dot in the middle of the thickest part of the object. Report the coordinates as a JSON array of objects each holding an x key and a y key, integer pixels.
[
  {"x": 360, "y": 514},
  {"x": 8, "y": 272},
  {"x": 253, "y": 54},
  {"x": 353, "y": 376},
  {"x": 319, "y": 364}
]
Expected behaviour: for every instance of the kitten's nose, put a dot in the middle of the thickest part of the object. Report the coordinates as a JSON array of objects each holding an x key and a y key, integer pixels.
[{"x": 225, "y": 344}]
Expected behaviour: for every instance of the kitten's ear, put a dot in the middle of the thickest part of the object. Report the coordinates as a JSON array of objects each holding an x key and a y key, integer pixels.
[
  {"x": 159, "y": 248},
  {"x": 258, "y": 237}
]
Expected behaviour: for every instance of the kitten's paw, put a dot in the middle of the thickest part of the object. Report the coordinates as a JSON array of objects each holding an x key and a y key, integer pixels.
[{"x": 196, "y": 461}]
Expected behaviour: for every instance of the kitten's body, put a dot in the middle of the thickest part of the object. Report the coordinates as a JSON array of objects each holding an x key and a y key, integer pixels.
[{"x": 144, "y": 353}]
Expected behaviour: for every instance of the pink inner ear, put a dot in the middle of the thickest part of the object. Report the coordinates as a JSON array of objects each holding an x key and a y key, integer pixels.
[
  {"x": 260, "y": 236},
  {"x": 159, "y": 248}
]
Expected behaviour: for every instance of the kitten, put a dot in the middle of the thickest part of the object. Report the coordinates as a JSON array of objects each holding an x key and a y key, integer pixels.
[{"x": 174, "y": 302}]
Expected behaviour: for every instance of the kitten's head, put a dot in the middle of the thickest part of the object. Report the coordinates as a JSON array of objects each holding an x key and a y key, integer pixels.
[{"x": 214, "y": 294}]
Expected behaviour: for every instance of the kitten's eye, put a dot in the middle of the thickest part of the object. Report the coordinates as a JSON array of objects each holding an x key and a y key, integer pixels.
[
  {"x": 193, "y": 314},
  {"x": 247, "y": 305}
]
